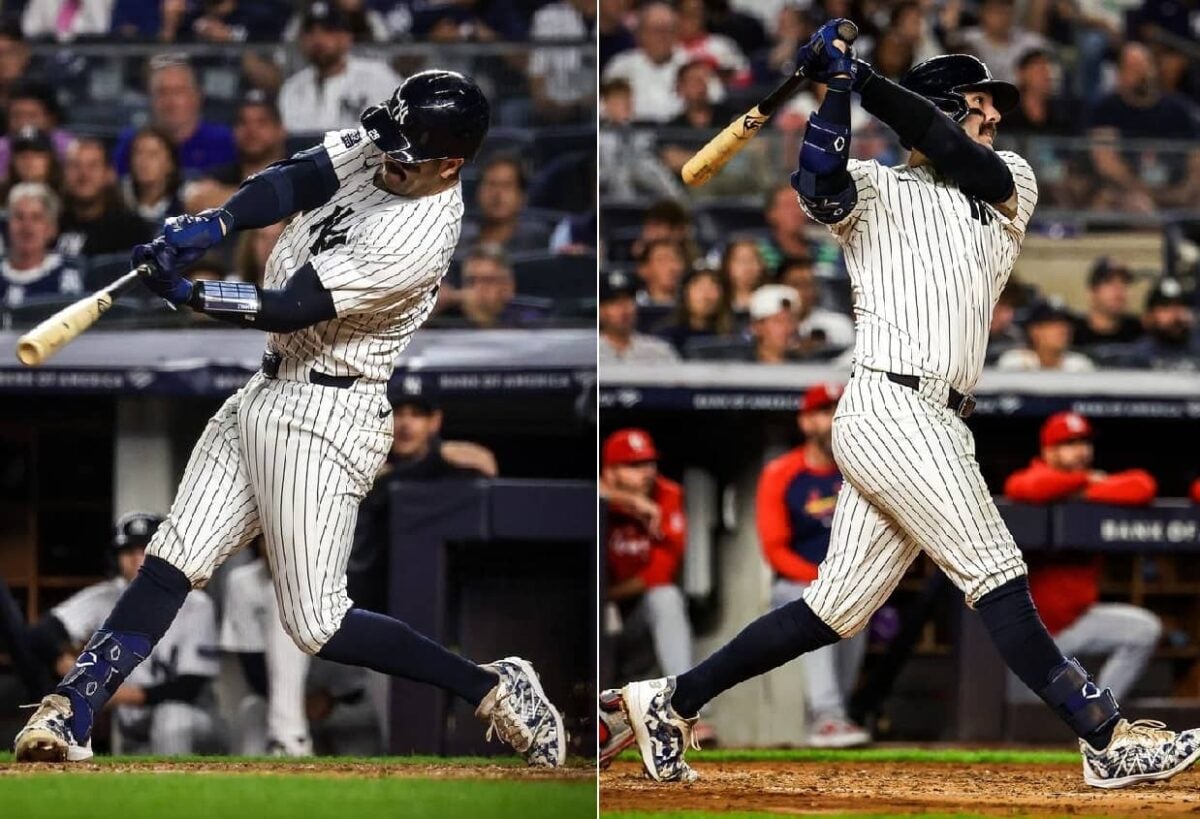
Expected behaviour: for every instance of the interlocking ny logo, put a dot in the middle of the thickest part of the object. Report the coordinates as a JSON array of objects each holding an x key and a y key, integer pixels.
[{"x": 329, "y": 231}]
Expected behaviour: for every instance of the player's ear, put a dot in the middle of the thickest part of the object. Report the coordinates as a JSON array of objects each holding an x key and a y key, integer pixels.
[{"x": 451, "y": 168}]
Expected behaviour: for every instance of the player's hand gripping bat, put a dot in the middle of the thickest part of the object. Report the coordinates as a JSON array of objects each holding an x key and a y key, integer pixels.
[
  {"x": 43, "y": 341},
  {"x": 721, "y": 148}
]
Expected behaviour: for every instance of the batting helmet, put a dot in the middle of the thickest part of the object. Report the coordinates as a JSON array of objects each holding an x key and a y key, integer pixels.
[
  {"x": 432, "y": 115},
  {"x": 944, "y": 80},
  {"x": 134, "y": 529}
]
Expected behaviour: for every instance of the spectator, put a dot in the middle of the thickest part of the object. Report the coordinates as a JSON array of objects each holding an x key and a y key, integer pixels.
[
  {"x": 698, "y": 110},
  {"x": 1040, "y": 110},
  {"x": 500, "y": 197},
  {"x": 745, "y": 271},
  {"x": 1137, "y": 179},
  {"x": 646, "y": 535},
  {"x": 717, "y": 50},
  {"x": 660, "y": 269},
  {"x": 629, "y": 157},
  {"x": 95, "y": 221},
  {"x": 787, "y": 224},
  {"x": 28, "y": 269},
  {"x": 563, "y": 79},
  {"x": 467, "y": 21},
  {"x": 32, "y": 104},
  {"x": 367, "y": 25},
  {"x": 64, "y": 20},
  {"x": 1049, "y": 328},
  {"x": 15, "y": 62},
  {"x": 1004, "y": 333},
  {"x": 702, "y": 311},
  {"x": 33, "y": 160},
  {"x": 1107, "y": 321},
  {"x": 336, "y": 87},
  {"x": 619, "y": 339},
  {"x": 820, "y": 329},
  {"x": 487, "y": 299},
  {"x": 797, "y": 493},
  {"x": 175, "y": 106},
  {"x": 652, "y": 67},
  {"x": 998, "y": 40},
  {"x": 259, "y": 138},
  {"x": 152, "y": 188},
  {"x": 1066, "y": 589},
  {"x": 1098, "y": 27},
  {"x": 666, "y": 219},
  {"x": 773, "y": 324},
  {"x": 238, "y": 21},
  {"x": 419, "y": 453},
  {"x": 1171, "y": 341},
  {"x": 253, "y": 249}
]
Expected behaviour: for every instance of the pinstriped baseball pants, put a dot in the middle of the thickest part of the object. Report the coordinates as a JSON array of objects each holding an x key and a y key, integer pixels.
[
  {"x": 911, "y": 484},
  {"x": 292, "y": 461}
]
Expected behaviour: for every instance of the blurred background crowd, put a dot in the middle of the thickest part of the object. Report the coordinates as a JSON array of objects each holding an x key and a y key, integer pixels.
[
  {"x": 118, "y": 114},
  {"x": 735, "y": 270}
]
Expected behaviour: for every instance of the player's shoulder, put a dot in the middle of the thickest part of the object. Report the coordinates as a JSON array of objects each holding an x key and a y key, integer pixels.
[{"x": 1015, "y": 162}]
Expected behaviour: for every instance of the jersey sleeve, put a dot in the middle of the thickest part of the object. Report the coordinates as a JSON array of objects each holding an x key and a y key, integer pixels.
[
  {"x": 865, "y": 174},
  {"x": 1026, "y": 189},
  {"x": 348, "y": 150},
  {"x": 385, "y": 260}
]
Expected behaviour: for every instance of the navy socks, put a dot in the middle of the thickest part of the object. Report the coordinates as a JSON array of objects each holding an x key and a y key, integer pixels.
[
  {"x": 385, "y": 644},
  {"x": 777, "y": 637}
]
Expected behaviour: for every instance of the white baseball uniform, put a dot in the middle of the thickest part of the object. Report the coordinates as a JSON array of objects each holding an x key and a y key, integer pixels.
[
  {"x": 292, "y": 459},
  {"x": 926, "y": 264},
  {"x": 188, "y": 648}
]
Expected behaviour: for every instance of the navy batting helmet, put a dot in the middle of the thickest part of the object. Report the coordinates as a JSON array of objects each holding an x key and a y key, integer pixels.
[
  {"x": 134, "y": 529},
  {"x": 943, "y": 81},
  {"x": 432, "y": 115}
]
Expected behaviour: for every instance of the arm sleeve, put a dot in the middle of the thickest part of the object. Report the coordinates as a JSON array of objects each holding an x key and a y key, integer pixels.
[
  {"x": 305, "y": 181},
  {"x": 1134, "y": 487},
  {"x": 1043, "y": 485},
  {"x": 302, "y": 302}
]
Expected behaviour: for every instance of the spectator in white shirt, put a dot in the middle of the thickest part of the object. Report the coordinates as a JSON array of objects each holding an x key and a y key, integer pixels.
[
  {"x": 998, "y": 40},
  {"x": 332, "y": 92},
  {"x": 1050, "y": 328},
  {"x": 619, "y": 339},
  {"x": 65, "y": 20},
  {"x": 652, "y": 67}
]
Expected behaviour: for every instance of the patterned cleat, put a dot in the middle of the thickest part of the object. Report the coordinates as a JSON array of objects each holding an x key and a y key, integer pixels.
[
  {"x": 47, "y": 736},
  {"x": 663, "y": 736},
  {"x": 615, "y": 732},
  {"x": 1140, "y": 751},
  {"x": 835, "y": 732},
  {"x": 521, "y": 715}
]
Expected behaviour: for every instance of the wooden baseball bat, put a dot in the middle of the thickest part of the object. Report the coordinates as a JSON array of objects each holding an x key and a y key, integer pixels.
[
  {"x": 43, "y": 341},
  {"x": 721, "y": 148}
]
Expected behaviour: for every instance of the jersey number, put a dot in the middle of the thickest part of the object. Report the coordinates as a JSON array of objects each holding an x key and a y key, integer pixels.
[
  {"x": 979, "y": 211},
  {"x": 329, "y": 231}
]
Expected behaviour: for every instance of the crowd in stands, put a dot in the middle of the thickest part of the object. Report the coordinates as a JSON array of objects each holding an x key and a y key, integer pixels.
[
  {"x": 736, "y": 270},
  {"x": 81, "y": 186}
]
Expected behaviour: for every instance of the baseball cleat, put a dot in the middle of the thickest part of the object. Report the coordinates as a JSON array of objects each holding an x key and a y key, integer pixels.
[
  {"x": 837, "y": 732},
  {"x": 47, "y": 735},
  {"x": 522, "y": 716},
  {"x": 1139, "y": 751},
  {"x": 663, "y": 737},
  {"x": 616, "y": 734}
]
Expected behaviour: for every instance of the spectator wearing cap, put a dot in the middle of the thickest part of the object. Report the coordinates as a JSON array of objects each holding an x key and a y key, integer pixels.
[
  {"x": 152, "y": 189},
  {"x": 95, "y": 221},
  {"x": 1066, "y": 588},
  {"x": 660, "y": 269},
  {"x": 1107, "y": 321},
  {"x": 176, "y": 105},
  {"x": 820, "y": 329},
  {"x": 33, "y": 159},
  {"x": 1040, "y": 110},
  {"x": 773, "y": 324},
  {"x": 332, "y": 91},
  {"x": 797, "y": 493},
  {"x": 1171, "y": 341},
  {"x": 999, "y": 40},
  {"x": 32, "y": 104},
  {"x": 651, "y": 68},
  {"x": 28, "y": 270},
  {"x": 64, "y": 20},
  {"x": 619, "y": 339},
  {"x": 259, "y": 139},
  {"x": 702, "y": 311},
  {"x": 501, "y": 218},
  {"x": 1049, "y": 328},
  {"x": 488, "y": 300},
  {"x": 645, "y": 539},
  {"x": 1138, "y": 180}
]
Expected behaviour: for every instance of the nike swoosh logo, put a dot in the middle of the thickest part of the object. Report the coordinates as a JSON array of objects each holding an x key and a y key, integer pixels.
[{"x": 385, "y": 412}]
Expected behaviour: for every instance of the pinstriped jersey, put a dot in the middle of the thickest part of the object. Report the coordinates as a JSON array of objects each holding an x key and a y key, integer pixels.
[
  {"x": 380, "y": 255},
  {"x": 926, "y": 265}
]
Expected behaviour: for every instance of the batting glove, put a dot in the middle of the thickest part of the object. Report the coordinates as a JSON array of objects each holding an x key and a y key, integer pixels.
[
  {"x": 203, "y": 230},
  {"x": 163, "y": 263},
  {"x": 821, "y": 57}
]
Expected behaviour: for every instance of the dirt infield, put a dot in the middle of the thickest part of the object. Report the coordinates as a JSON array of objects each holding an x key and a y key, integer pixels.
[{"x": 798, "y": 788}]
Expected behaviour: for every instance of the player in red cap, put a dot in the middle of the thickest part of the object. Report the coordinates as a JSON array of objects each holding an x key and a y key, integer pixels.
[
  {"x": 1066, "y": 589},
  {"x": 796, "y": 496}
]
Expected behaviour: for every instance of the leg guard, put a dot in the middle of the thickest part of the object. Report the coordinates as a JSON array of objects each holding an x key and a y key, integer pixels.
[
  {"x": 1077, "y": 700},
  {"x": 106, "y": 661}
]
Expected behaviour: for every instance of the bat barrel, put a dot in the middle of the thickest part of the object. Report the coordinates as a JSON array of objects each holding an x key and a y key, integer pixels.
[{"x": 47, "y": 338}]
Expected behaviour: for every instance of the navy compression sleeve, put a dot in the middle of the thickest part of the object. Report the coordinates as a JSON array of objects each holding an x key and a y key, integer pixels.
[
  {"x": 976, "y": 169},
  {"x": 302, "y": 302},
  {"x": 303, "y": 182}
]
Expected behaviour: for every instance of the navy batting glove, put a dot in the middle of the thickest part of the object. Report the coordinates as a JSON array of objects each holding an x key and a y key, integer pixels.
[
  {"x": 821, "y": 58},
  {"x": 203, "y": 230},
  {"x": 164, "y": 262}
]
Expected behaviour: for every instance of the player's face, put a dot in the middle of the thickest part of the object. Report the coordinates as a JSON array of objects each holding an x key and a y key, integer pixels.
[
  {"x": 130, "y": 560},
  {"x": 418, "y": 178},
  {"x": 30, "y": 227},
  {"x": 980, "y": 124},
  {"x": 637, "y": 478},
  {"x": 1071, "y": 455},
  {"x": 817, "y": 427},
  {"x": 413, "y": 428}
]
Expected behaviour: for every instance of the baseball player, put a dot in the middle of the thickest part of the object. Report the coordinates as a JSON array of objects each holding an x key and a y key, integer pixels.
[
  {"x": 928, "y": 246},
  {"x": 377, "y": 213}
]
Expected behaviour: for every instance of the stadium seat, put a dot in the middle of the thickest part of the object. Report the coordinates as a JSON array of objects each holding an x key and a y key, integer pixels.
[
  {"x": 728, "y": 216},
  {"x": 718, "y": 349},
  {"x": 554, "y": 276},
  {"x": 566, "y": 183}
]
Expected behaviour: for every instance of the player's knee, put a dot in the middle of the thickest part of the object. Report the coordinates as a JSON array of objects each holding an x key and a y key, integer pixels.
[
  {"x": 168, "y": 545},
  {"x": 309, "y": 630},
  {"x": 846, "y": 620}
]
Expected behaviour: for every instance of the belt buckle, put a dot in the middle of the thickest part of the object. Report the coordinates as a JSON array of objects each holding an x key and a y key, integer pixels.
[{"x": 966, "y": 406}]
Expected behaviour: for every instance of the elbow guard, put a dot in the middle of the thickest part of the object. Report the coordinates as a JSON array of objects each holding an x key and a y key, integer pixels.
[{"x": 824, "y": 185}]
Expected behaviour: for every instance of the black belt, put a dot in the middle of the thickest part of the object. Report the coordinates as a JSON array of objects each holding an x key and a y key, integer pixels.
[
  {"x": 963, "y": 405},
  {"x": 270, "y": 368}
]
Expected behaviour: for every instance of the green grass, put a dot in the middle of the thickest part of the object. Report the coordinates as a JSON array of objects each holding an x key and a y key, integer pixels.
[
  {"x": 502, "y": 760},
  {"x": 992, "y": 756},
  {"x": 48, "y": 792}
]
